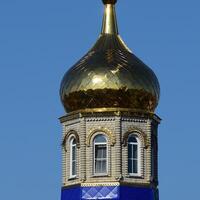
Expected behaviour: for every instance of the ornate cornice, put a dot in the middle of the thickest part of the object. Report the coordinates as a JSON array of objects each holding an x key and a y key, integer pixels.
[{"x": 102, "y": 112}]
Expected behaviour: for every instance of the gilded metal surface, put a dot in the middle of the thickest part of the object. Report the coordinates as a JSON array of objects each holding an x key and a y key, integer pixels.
[
  {"x": 116, "y": 111},
  {"x": 109, "y": 75},
  {"x": 109, "y": 25}
]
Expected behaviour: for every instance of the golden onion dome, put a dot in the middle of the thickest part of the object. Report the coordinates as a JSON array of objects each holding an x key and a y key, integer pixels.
[{"x": 110, "y": 75}]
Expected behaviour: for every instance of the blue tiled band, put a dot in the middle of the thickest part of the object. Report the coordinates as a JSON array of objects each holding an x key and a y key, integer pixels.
[{"x": 109, "y": 193}]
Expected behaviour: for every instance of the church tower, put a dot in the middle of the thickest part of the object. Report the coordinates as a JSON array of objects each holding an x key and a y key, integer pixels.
[{"x": 110, "y": 128}]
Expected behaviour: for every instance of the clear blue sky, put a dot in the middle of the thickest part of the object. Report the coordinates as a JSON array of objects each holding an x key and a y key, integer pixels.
[{"x": 41, "y": 39}]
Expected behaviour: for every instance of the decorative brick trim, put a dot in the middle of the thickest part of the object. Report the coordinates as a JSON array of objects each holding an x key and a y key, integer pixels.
[
  {"x": 100, "y": 184},
  {"x": 111, "y": 136},
  {"x": 69, "y": 135},
  {"x": 138, "y": 132},
  {"x": 125, "y": 119},
  {"x": 99, "y": 119}
]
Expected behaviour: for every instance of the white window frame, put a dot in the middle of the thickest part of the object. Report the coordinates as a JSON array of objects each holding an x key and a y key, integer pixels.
[
  {"x": 94, "y": 159},
  {"x": 71, "y": 157},
  {"x": 138, "y": 143}
]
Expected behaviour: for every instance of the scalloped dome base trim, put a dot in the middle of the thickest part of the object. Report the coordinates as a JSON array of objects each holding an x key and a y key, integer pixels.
[{"x": 105, "y": 98}]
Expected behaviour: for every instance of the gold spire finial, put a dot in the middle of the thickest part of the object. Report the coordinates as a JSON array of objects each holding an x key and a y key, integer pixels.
[
  {"x": 109, "y": 20},
  {"x": 109, "y": 1}
]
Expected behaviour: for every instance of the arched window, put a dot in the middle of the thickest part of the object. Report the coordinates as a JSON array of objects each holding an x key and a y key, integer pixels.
[
  {"x": 100, "y": 155},
  {"x": 73, "y": 158},
  {"x": 133, "y": 155}
]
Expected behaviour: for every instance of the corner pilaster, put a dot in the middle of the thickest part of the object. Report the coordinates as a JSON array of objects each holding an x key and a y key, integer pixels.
[
  {"x": 82, "y": 149},
  {"x": 117, "y": 153}
]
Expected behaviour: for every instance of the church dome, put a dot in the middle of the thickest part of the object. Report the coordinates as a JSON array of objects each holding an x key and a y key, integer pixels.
[{"x": 110, "y": 75}]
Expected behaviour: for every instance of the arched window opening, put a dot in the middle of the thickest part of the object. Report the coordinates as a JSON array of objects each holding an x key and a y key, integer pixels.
[
  {"x": 133, "y": 155},
  {"x": 100, "y": 155},
  {"x": 73, "y": 158}
]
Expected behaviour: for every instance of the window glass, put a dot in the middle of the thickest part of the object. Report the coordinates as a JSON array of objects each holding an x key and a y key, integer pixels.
[
  {"x": 100, "y": 139},
  {"x": 135, "y": 167},
  {"x": 135, "y": 151},
  {"x": 74, "y": 153},
  {"x": 100, "y": 154},
  {"x": 73, "y": 142},
  {"x": 132, "y": 139},
  {"x": 133, "y": 155},
  {"x": 73, "y": 158}
]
